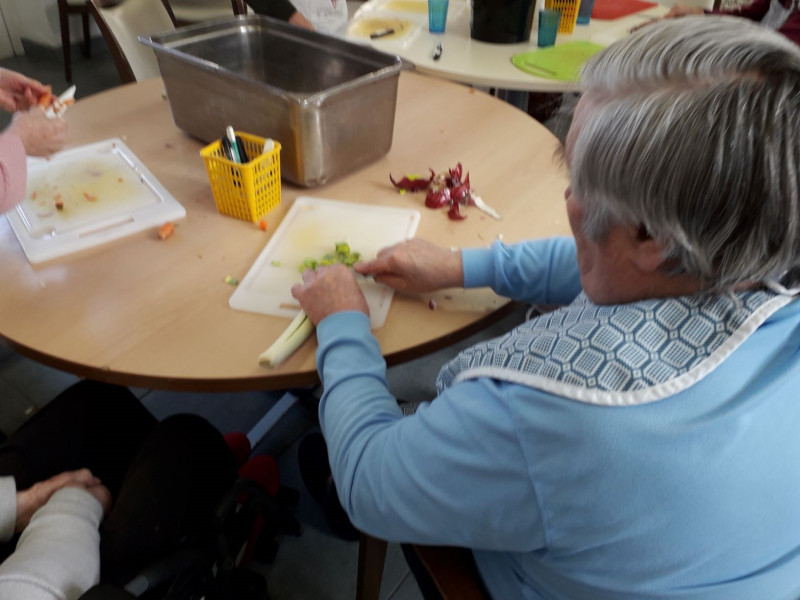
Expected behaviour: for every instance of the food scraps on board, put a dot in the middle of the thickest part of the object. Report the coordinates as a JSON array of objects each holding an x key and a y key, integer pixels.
[{"x": 341, "y": 255}]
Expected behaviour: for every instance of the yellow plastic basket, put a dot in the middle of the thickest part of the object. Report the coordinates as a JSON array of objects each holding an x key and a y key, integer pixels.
[
  {"x": 569, "y": 13},
  {"x": 246, "y": 191}
]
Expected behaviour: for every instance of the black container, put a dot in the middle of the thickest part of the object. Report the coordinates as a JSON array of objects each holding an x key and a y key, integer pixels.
[{"x": 501, "y": 21}]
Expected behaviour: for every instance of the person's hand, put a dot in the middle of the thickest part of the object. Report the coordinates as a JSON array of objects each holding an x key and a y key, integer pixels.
[
  {"x": 36, "y": 496},
  {"x": 18, "y": 92},
  {"x": 329, "y": 290},
  {"x": 415, "y": 266},
  {"x": 300, "y": 21},
  {"x": 677, "y": 10},
  {"x": 98, "y": 491},
  {"x": 40, "y": 135},
  {"x": 682, "y": 10}
]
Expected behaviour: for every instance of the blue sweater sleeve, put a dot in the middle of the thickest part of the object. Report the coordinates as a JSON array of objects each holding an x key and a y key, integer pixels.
[
  {"x": 537, "y": 271},
  {"x": 413, "y": 479}
]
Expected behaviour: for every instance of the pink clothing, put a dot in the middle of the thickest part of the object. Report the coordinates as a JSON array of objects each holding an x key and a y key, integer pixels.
[{"x": 13, "y": 171}]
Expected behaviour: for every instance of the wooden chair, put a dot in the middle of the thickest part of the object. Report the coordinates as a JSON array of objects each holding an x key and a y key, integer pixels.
[
  {"x": 449, "y": 569},
  {"x": 121, "y": 24},
  {"x": 65, "y": 9}
]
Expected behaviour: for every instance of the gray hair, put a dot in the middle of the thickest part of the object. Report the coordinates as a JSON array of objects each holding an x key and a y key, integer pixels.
[{"x": 694, "y": 134}]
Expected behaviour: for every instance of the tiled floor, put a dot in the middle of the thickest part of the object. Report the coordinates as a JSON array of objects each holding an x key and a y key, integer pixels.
[{"x": 316, "y": 565}]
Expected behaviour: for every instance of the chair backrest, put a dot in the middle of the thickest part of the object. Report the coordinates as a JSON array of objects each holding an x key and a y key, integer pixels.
[
  {"x": 121, "y": 24},
  {"x": 195, "y": 11}
]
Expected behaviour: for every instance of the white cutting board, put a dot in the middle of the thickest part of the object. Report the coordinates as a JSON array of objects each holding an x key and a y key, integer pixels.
[
  {"x": 105, "y": 193},
  {"x": 311, "y": 229}
]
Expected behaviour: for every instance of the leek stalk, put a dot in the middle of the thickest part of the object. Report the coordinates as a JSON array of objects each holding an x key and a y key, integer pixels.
[{"x": 298, "y": 331}]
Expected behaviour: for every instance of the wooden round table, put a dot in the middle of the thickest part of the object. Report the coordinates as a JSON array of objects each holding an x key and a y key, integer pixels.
[
  {"x": 154, "y": 313},
  {"x": 473, "y": 62}
]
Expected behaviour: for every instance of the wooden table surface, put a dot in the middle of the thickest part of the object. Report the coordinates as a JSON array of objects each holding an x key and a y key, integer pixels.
[{"x": 154, "y": 313}]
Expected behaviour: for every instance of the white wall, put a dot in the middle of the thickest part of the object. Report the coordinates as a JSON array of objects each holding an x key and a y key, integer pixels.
[
  {"x": 37, "y": 21},
  {"x": 6, "y": 49}
]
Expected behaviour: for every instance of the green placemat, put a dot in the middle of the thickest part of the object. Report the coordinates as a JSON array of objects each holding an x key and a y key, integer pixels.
[{"x": 562, "y": 61}]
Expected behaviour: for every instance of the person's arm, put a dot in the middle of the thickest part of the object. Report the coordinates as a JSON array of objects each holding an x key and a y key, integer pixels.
[
  {"x": 58, "y": 553},
  {"x": 8, "y": 507},
  {"x": 538, "y": 271},
  {"x": 30, "y": 133},
  {"x": 280, "y": 9},
  {"x": 13, "y": 171},
  {"x": 430, "y": 478}
]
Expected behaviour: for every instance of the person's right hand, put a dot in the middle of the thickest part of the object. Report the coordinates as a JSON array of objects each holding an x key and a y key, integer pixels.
[
  {"x": 415, "y": 266},
  {"x": 40, "y": 135},
  {"x": 677, "y": 10},
  {"x": 18, "y": 92},
  {"x": 682, "y": 10},
  {"x": 36, "y": 496}
]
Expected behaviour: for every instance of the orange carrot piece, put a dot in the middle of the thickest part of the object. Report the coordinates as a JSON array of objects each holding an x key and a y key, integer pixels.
[
  {"x": 45, "y": 99},
  {"x": 263, "y": 224},
  {"x": 166, "y": 230}
]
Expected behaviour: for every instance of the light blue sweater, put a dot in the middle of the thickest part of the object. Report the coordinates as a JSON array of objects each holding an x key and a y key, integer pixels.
[{"x": 694, "y": 496}]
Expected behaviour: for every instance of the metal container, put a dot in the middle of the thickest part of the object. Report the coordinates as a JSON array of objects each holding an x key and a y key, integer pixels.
[{"x": 329, "y": 102}]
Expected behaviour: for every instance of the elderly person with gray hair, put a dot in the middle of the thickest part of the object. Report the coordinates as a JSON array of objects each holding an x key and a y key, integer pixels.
[{"x": 642, "y": 440}]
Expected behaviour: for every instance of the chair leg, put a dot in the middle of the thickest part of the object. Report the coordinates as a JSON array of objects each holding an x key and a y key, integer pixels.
[
  {"x": 371, "y": 559},
  {"x": 63, "y": 17},
  {"x": 87, "y": 37}
]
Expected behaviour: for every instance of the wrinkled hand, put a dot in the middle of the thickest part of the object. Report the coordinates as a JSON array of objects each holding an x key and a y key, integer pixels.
[
  {"x": 677, "y": 10},
  {"x": 415, "y": 266},
  {"x": 40, "y": 135},
  {"x": 329, "y": 290},
  {"x": 36, "y": 496},
  {"x": 300, "y": 21},
  {"x": 681, "y": 10},
  {"x": 18, "y": 92},
  {"x": 100, "y": 493}
]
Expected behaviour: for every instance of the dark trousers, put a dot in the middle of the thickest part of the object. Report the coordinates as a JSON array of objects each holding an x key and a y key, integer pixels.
[{"x": 166, "y": 478}]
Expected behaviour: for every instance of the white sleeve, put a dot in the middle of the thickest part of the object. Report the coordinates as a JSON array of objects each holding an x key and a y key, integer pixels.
[
  {"x": 58, "y": 554},
  {"x": 8, "y": 507}
]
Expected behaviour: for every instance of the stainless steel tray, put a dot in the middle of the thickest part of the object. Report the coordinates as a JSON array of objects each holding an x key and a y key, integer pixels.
[{"x": 329, "y": 102}]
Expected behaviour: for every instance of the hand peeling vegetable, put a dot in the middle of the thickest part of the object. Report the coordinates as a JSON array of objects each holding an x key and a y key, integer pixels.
[
  {"x": 446, "y": 190},
  {"x": 290, "y": 340}
]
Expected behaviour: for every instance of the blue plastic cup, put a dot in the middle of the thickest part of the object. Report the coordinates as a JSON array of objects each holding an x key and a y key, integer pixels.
[
  {"x": 585, "y": 12},
  {"x": 548, "y": 27},
  {"x": 437, "y": 15}
]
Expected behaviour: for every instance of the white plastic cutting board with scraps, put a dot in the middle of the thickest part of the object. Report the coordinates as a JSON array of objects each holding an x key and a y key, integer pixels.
[{"x": 311, "y": 229}]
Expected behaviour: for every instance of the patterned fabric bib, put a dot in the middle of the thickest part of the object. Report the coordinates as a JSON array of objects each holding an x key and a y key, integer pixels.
[{"x": 618, "y": 355}]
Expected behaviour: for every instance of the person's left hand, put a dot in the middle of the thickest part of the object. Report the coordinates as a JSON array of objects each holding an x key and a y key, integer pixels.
[
  {"x": 36, "y": 496},
  {"x": 329, "y": 290},
  {"x": 18, "y": 92},
  {"x": 300, "y": 21}
]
